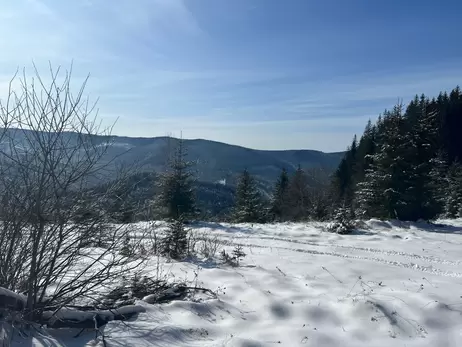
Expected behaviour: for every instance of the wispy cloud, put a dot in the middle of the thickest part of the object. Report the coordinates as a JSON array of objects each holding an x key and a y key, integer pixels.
[{"x": 249, "y": 72}]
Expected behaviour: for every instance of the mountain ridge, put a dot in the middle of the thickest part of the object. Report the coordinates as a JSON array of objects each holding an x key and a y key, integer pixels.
[
  {"x": 142, "y": 138},
  {"x": 214, "y": 161}
]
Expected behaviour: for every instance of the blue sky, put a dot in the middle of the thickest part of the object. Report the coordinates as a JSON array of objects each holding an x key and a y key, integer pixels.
[{"x": 267, "y": 74}]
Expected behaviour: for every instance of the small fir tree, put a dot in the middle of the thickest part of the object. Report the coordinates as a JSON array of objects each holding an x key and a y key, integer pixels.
[
  {"x": 176, "y": 188},
  {"x": 175, "y": 242},
  {"x": 248, "y": 205},
  {"x": 279, "y": 199},
  {"x": 298, "y": 197}
]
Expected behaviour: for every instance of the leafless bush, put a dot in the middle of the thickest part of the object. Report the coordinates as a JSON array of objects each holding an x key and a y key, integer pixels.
[
  {"x": 193, "y": 240},
  {"x": 151, "y": 238},
  {"x": 200, "y": 242},
  {"x": 49, "y": 156},
  {"x": 209, "y": 246}
]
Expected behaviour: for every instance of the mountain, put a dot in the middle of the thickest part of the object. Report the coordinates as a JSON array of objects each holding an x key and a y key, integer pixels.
[{"x": 216, "y": 161}]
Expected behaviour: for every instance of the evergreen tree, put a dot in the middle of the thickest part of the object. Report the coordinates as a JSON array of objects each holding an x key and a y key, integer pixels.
[
  {"x": 298, "y": 197},
  {"x": 453, "y": 205},
  {"x": 320, "y": 198},
  {"x": 175, "y": 242},
  {"x": 176, "y": 194},
  {"x": 279, "y": 199},
  {"x": 366, "y": 147},
  {"x": 423, "y": 147},
  {"x": 451, "y": 113},
  {"x": 343, "y": 181},
  {"x": 385, "y": 192},
  {"x": 399, "y": 168},
  {"x": 437, "y": 185},
  {"x": 248, "y": 205}
]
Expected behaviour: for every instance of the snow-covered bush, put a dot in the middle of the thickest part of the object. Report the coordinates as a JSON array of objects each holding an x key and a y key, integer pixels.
[
  {"x": 235, "y": 258},
  {"x": 343, "y": 222}
]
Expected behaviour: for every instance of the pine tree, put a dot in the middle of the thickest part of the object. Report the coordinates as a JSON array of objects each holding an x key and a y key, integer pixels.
[
  {"x": 248, "y": 204},
  {"x": 279, "y": 199},
  {"x": 177, "y": 195},
  {"x": 298, "y": 197}
]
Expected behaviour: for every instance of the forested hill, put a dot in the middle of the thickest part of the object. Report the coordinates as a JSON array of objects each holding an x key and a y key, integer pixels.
[
  {"x": 216, "y": 161},
  {"x": 408, "y": 164}
]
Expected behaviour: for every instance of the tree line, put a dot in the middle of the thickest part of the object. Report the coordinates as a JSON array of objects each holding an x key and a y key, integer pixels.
[{"x": 406, "y": 165}]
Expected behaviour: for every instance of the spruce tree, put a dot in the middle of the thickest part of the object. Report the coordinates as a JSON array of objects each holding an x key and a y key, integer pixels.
[
  {"x": 298, "y": 197},
  {"x": 453, "y": 205},
  {"x": 452, "y": 123},
  {"x": 385, "y": 190},
  {"x": 426, "y": 159},
  {"x": 248, "y": 204},
  {"x": 279, "y": 198},
  {"x": 175, "y": 242},
  {"x": 176, "y": 187},
  {"x": 343, "y": 181},
  {"x": 366, "y": 148},
  {"x": 437, "y": 184}
]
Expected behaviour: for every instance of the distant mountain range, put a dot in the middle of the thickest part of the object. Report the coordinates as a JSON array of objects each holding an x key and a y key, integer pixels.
[{"x": 216, "y": 162}]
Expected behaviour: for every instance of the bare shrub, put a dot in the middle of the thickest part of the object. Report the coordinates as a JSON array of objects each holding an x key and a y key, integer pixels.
[
  {"x": 204, "y": 244},
  {"x": 55, "y": 246},
  {"x": 209, "y": 246}
]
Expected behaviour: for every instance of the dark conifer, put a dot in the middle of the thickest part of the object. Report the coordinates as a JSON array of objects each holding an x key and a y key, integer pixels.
[
  {"x": 279, "y": 206},
  {"x": 176, "y": 194},
  {"x": 248, "y": 206}
]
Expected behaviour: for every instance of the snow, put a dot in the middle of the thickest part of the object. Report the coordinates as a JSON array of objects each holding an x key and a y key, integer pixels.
[
  {"x": 390, "y": 283},
  {"x": 125, "y": 145},
  {"x": 10, "y": 294},
  {"x": 78, "y": 316}
]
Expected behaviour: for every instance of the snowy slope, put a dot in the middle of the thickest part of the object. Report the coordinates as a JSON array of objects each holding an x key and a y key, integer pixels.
[{"x": 392, "y": 283}]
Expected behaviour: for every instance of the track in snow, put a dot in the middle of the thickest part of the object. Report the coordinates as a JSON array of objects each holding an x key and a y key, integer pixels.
[
  {"x": 427, "y": 269},
  {"x": 430, "y": 259}
]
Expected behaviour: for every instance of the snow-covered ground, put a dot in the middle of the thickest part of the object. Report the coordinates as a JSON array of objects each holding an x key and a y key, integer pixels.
[{"x": 390, "y": 284}]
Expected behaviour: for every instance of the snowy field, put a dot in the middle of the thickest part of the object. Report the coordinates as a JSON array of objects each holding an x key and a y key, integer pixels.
[{"x": 390, "y": 284}]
